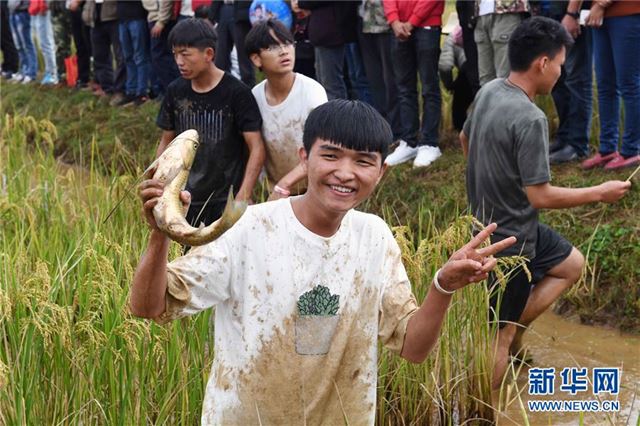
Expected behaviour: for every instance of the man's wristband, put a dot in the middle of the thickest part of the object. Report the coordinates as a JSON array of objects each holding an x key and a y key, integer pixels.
[
  {"x": 438, "y": 287},
  {"x": 280, "y": 190},
  {"x": 574, "y": 15}
]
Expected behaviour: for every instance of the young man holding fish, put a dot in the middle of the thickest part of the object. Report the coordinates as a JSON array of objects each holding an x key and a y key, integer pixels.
[
  {"x": 508, "y": 180},
  {"x": 225, "y": 115},
  {"x": 305, "y": 287}
]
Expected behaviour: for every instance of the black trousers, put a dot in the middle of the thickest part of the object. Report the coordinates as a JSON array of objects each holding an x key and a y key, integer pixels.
[
  {"x": 104, "y": 39},
  {"x": 231, "y": 32},
  {"x": 10, "y": 60},
  {"x": 82, "y": 39}
]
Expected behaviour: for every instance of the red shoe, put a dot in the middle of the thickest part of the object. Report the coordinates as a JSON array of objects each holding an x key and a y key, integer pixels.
[
  {"x": 599, "y": 160},
  {"x": 622, "y": 163}
]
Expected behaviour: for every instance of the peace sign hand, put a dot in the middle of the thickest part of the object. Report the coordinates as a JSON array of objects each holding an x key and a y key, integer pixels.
[{"x": 470, "y": 263}]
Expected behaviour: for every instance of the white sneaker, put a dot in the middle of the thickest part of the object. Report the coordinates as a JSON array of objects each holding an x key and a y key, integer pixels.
[
  {"x": 16, "y": 77},
  {"x": 401, "y": 154},
  {"x": 26, "y": 79},
  {"x": 426, "y": 155}
]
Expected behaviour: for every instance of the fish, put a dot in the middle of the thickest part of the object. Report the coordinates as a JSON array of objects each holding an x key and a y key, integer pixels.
[{"x": 172, "y": 168}]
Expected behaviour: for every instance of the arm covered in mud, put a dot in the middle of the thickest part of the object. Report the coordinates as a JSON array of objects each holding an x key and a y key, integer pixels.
[
  {"x": 470, "y": 264},
  {"x": 150, "y": 279}
]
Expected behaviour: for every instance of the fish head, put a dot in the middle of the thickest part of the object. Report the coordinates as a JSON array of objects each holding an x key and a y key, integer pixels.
[{"x": 189, "y": 142}]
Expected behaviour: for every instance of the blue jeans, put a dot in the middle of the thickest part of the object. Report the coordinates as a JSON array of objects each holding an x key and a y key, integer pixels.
[
  {"x": 357, "y": 75},
  {"x": 573, "y": 95},
  {"x": 618, "y": 75},
  {"x": 44, "y": 30},
  {"x": 330, "y": 70},
  {"x": 134, "y": 41},
  {"x": 418, "y": 55},
  {"x": 21, "y": 30},
  {"x": 162, "y": 62}
]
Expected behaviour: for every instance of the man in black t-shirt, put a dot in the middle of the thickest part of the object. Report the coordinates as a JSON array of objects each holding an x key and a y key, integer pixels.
[{"x": 225, "y": 114}]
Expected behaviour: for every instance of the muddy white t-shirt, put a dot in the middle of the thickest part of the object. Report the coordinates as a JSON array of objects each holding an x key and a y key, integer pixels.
[
  {"x": 297, "y": 317},
  {"x": 283, "y": 124}
]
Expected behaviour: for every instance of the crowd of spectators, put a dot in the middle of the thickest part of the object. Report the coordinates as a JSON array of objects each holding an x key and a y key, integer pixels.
[{"x": 378, "y": 51}]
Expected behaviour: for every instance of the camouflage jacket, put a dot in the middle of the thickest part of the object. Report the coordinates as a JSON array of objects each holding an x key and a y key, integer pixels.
[
  {"x": 508, "y": 6},
  {"x": 373, "y": 18}
]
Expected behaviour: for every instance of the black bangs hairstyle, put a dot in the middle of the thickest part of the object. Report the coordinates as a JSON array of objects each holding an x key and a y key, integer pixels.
[
  {"x": 350, "y": 124},
  {"x": 259, "y": 36},
  {"x": 193, "y": 32},
  {"x": 534, "y": 37}
]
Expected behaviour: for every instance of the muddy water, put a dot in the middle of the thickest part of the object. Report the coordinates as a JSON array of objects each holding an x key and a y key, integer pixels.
[{"x": 557, "y": 342}]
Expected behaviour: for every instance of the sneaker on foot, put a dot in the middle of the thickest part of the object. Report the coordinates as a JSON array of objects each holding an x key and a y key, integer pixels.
[
  {"x": 565, "y": 155},
  {"x": 622, "y": 163},
  {"x": 426, "y": 155},
  {"x": 402, "y": 153},
  {"x": 16, "y": 77},
  {"x": 599, "y": 160},
  {"x": 26, "y": 79}
]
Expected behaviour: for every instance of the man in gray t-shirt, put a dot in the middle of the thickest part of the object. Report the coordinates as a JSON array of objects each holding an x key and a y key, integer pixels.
[
  {"x": 506, "y": 140},
  {"x": 511, "y": 153}
]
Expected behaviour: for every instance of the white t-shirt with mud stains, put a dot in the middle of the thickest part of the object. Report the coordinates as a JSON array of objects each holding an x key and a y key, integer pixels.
[
  {"x": 297, "y": 316},
  {"x": 283, "y": 124}
]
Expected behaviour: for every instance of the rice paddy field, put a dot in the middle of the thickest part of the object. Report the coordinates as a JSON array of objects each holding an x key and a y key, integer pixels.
[{"x": 71, "y": 353}]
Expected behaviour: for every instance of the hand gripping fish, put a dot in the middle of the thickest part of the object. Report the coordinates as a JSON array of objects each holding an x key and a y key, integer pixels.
[{"x": 173, "y": 167}]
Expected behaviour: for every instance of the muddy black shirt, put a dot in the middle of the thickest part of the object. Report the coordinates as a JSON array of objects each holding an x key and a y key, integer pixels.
[
  {"x": 508, "y": 146},
  {"x": 219, "y": 116}
]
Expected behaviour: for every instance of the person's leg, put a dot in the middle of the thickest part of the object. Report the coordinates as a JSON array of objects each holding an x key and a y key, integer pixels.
[
  {"x": 427, "y": 52},
  {"x": 405, "y": 69},
  {"x": 608, "y": 100},
  {"x": 579, "y": 82},
  {"x": 30, "y": 54},
  {"x": 162, "y": 59},
  {"x": 507, "y": 302},
  {"x": 121, "y": 71},
  {"x": 625, "y": 39},
  {"x": 126, "y": 44},
  {"x": 357, "y": 73},
  {"x": 140, "y": 43},
  {"x": 562, "y": 100},
  {"x": 44, "y": 30},
  {"x": 102, "y": 59},
  {"x": 240, "y": 31},
  {"x": 330, "y": 69},
  {"x": 10, "y": 48},
  {"x": 225, "y": 37},
  {"x": 501, "y": 30},
  {"x": 481, "y": 35},
  {"x": 376, "y": 56},
  {"x": 83, "y": 47},
  {"x": 462, "y": 98},
  {"x": 466, "y": 12},
  {"x": 559, "y": 279}
]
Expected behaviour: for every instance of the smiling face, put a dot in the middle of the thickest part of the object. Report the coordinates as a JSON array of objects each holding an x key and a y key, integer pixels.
[{"x": 340, "y": 178}]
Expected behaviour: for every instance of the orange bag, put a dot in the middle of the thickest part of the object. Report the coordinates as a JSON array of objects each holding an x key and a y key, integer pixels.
[{"x": 71, "y": 68}]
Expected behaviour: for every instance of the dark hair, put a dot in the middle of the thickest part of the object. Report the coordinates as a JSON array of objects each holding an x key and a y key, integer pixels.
[
  {"x": 259, "y": 37},
  {"x": 350, "y": 124},
  {"x": 534, "y": 37},
  {"x": 193, "y": 32}
]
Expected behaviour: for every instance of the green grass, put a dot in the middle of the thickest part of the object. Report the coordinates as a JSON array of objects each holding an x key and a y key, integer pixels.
[{"x": 71, "y": 353}]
